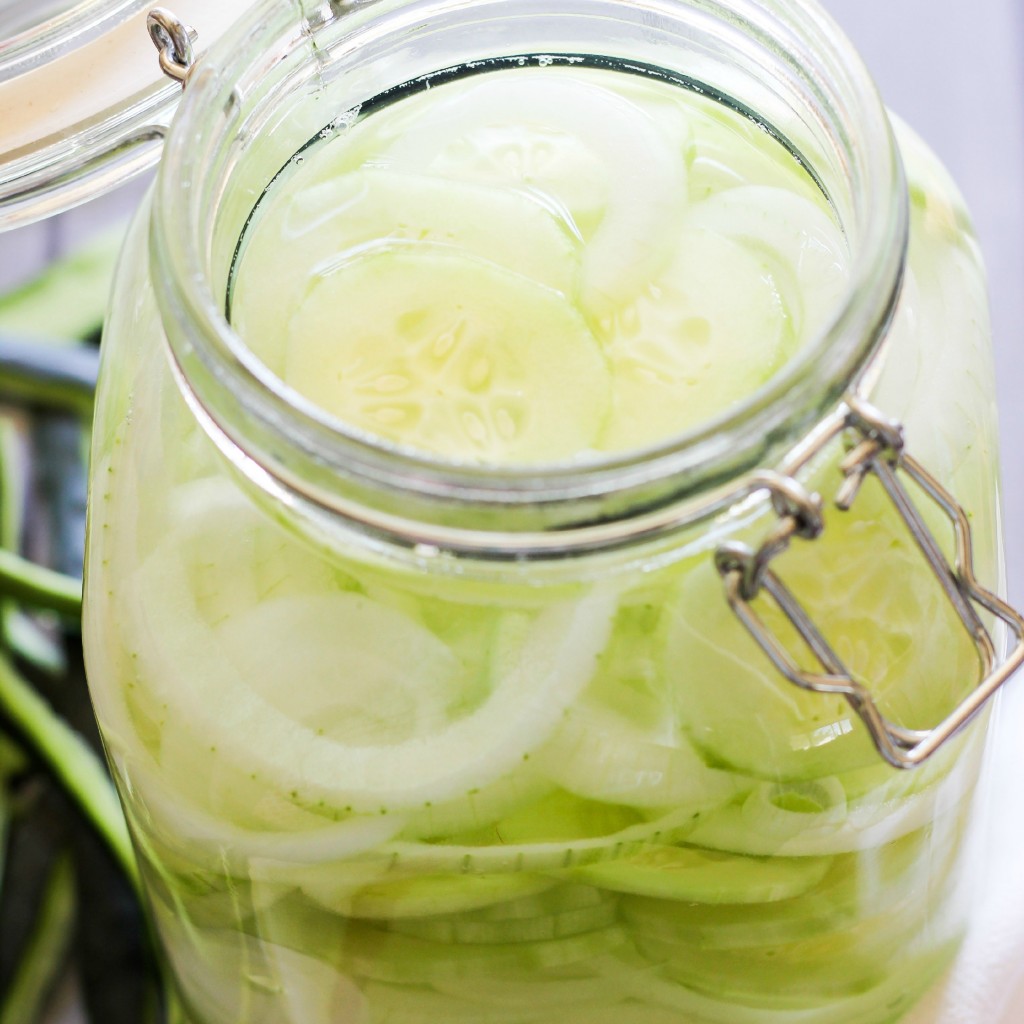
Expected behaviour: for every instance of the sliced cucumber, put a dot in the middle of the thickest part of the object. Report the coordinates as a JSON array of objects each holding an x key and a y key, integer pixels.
[
  {"x": 798, "y": 976},
  {"x": 481, "y": 807},
  {"x": 431, "y": 895},
  {"x": 506, "y": 848},
  {"x": 345, "y": 668},
  {"x": 470, "y": 132},
  {"x": 565, "y": 999},
  {"x": 669, "y": 1002},
  {"x": 730, "y": 151},
  {"x": 390, "y": 957},
  {"x": 559, "y": 817},
  {"x": 764, "y": 825},
  {"x": 886, "y": 618},
  {"x": 565, "y": 896},
  {"x": 807, "y": 252},
  {"x": 448, "y": 354},
  {"x": 329, "y": 219},
  {"x": 699, "y": 876},
  {"x": 466, "y": 929},
  {"x": 234, "y": 556},
  {"x": 406, "y": 1004},
  {"x": 884, "y": 885},
  {"x": 708, "y": 332}
]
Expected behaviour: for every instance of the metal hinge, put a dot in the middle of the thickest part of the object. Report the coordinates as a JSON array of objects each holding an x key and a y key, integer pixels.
[
  {"x": 877, "y": 446},
  {"x": 175, "y": 41}
]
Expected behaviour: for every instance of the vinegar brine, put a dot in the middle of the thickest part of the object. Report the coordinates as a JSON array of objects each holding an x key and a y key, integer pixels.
[
  {"x": 537, "y": 266},
  {"x": 374, "y": 790}
]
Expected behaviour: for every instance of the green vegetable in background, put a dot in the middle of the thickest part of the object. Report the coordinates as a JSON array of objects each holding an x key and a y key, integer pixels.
[{"x": 68, "y": 879}]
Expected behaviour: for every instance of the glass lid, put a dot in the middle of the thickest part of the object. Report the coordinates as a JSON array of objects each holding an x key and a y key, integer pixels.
[{"x": 83, "y": 102}]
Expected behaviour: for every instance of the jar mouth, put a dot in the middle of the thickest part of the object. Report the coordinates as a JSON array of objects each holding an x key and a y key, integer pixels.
[{"x": 298, "y": 451}]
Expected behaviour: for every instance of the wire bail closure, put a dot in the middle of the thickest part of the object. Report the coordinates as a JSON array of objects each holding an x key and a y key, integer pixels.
[
  {"x": 174, "y": 39},
  {"x": 877, "y": 446}
]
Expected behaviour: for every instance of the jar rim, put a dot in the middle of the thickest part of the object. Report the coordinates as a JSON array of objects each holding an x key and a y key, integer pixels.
[{"x": 397, "y": 490}]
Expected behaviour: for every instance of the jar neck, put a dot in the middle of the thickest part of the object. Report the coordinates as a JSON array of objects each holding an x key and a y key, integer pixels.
[{"x": 280, "y": 79}]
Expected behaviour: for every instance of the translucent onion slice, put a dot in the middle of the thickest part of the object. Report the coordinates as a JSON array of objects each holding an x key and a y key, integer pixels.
[{"x": 646, "y": 177}]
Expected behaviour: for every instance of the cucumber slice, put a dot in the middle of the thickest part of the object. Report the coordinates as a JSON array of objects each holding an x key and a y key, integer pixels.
[
  {"x": 558, "y": 997},
  {"x": 767, "y": 823},
  {"x": 808, "y": 255},
  {"x": 700, "y": 876},
  {"x": 405, "y": 1004},
  {"x": 235, "y": 556},
  {"x": 427, "y": 896},
  {"x": 479, "y": 808},
  {"x": 730, "y": 151},
  {"x": 471, "y": 133},
  {"x": 707, "y": 333},
  {"x": 366, "y": 674},
  {"x": 797, "y": 976},
  {"x": 470, "y": 930},
  {"x": 329, "y": 218},
  {"x": 669, "y": 1002},
  {"x": 543, "y": 854},
  {"x": 565, "y": 896},
  {"x": 390, "y": 957},
  {"x": 887, "y": 618},
  {"x": 558, "y": 818},
  {"x": 450, "y": 355},
  {"x": 883, "y": 885}
]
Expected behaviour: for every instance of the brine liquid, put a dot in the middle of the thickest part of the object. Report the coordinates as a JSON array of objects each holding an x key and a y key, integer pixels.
[
  {"x": 373, "y": 793},
  {"x": 538, "y": 264}
]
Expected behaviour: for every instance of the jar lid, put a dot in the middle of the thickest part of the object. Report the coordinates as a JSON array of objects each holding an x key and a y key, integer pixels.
[{"x": 83, "y": 102}]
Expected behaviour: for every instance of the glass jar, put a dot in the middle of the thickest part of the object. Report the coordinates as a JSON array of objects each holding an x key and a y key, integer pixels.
[{"x": 619, "y": 739}]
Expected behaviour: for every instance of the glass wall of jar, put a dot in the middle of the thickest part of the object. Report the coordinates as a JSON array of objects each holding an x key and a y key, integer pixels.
[{"x": 410, "y": 737}]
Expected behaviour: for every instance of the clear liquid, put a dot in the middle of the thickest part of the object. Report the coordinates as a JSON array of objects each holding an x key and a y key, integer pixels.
[{"x": 538, "y": 265}]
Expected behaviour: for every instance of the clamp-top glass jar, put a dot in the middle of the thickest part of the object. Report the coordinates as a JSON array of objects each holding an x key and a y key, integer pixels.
[{"x": 468, "y": 391}]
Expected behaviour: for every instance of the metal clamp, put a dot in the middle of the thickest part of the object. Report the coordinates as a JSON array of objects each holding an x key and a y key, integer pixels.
[
  {"x": 174, "y": 40},
  {"x": 877, "y": 448}
]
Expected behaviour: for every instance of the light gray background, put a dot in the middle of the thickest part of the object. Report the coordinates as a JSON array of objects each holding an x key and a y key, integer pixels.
[{"x": 955, "y": 71}]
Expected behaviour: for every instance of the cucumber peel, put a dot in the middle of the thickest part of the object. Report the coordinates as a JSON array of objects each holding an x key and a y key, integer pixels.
[{"x": 700, "y": 876}]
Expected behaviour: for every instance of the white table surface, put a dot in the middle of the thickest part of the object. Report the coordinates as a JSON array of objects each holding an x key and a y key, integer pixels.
[{"x": 953, "y": 70}]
